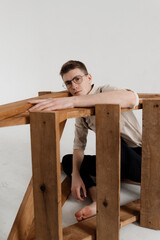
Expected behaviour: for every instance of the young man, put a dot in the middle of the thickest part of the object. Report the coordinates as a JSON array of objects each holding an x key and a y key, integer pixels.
[{"x": 81, "y": 167}]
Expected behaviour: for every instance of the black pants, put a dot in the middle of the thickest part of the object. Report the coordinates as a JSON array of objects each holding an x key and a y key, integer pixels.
[{"x": 130, "y": 165}]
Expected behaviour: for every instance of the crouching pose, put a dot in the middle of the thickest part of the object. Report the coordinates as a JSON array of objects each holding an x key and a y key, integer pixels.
[{"x": 78, "y": 166}]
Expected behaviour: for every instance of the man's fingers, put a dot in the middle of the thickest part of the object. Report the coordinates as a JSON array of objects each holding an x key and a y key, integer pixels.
[
  {"x": 79, "y": 195},
  {"x": 45, "y": 105},
  {"x": 36, "y": 101},
  {"x": 84, "y": 191}
]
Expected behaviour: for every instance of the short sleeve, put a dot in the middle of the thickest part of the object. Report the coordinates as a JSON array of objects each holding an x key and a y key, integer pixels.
[{"x": 81, "y": 132}]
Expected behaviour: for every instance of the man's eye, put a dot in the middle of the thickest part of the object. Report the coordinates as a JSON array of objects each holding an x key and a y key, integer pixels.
[
  {"x": 77, "y": 79},
  {"x": 68, "y": 82}
]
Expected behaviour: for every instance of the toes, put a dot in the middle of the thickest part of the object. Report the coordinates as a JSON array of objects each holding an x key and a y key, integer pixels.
[{"x": 78, "y": 214}]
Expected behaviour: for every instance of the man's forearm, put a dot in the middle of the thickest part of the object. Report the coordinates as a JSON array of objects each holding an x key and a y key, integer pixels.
[
  {"x": 78, "y": 156},
  {"x": 126, "y": 99}
]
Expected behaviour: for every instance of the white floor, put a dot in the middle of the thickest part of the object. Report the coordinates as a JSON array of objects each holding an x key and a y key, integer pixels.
[{"x": 15, "y": 173}]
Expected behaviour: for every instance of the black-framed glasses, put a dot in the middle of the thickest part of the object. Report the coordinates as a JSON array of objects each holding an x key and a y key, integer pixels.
[{"x": 77, "y": 79}]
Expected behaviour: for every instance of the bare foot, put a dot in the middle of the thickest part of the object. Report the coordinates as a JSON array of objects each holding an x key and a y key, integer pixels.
[{"x": 86, "y": 212}]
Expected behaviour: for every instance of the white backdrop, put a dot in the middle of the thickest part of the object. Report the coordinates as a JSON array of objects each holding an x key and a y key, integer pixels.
[{"x": 117, "y": 40}]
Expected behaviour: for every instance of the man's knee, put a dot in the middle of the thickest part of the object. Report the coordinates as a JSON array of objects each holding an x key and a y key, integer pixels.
[{"x": 67, "y": 163}]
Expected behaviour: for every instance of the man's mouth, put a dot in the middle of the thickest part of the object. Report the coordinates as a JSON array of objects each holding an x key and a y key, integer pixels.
[{"x": 77, "y": 92}]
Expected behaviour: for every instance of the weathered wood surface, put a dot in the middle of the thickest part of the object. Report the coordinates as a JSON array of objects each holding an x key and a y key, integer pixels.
[
  {"x": 24, "y": 225},
  {"x": 46, "y": 175},
  {"x": 150, "y": 180},
  {"x": 24, "y": 218},
  {"x": 149, "y": 95},
  {"x": 86, "y": 230},
  {"x": 108, "y": 171},
  {"x": 12, "y": 109},
  {"x": 24, "y": 118}
]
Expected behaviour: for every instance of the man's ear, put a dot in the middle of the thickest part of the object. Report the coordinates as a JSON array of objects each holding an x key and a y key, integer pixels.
[{"x": 89, "y": 77}]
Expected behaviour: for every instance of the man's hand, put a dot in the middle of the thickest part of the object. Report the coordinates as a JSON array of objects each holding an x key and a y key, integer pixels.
[
  {"x": 77, "y": 185},
  {"x": 52, "y": 104}
]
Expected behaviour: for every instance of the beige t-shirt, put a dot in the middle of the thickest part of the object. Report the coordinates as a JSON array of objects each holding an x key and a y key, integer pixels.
[{"x": 131, "y": 131}]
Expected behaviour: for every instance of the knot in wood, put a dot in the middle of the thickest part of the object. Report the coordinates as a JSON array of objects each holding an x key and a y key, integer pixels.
[
  {"x": 105, "y": 203},
  {"x": 43, "y": 188},
  {"x": 107, "y": 113},
  {"x": 44, "y": 122},
  {"x": 156, "y": 106}
]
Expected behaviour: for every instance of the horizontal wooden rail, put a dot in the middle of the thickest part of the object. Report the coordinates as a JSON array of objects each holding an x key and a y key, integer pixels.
[
  {"x": 13, "y": 114},
  {"x": 12, "y": 109},
  {"x": 148, "y": 95},
  {"x": 24, "y": 118},
  {"x": 86, "y": 230}
]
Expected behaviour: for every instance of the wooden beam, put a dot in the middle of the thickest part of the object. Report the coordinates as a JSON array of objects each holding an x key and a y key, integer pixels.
[
  {"x": 148, "y": 95},
  {"x": 19, "y": 119},
  {"x": 24, "y": 225},
  {"x": 108, "y": 171},
  {"x": 43, "y": 93},
  {"x": 150, "y": 180},
  {"x": 129, "y": 213},
  {"x": 46, "y": 175},
  {"x": 24, "y": 218},
  {"x": 24, "y": 118},
  {"x": 12, "y": 109},
  {"x": 86, "y": 230}
]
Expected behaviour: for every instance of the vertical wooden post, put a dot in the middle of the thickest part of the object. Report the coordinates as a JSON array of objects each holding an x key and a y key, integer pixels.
[
  {"x": 150, "y": 180},
  {"x": 108, "y": 171},
  {"x": 46, "y": 175}
]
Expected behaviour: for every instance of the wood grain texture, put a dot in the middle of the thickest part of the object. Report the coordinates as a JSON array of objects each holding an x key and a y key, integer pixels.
[
  {"x": 86, "y": 230},
  {"x": 19, "y": 119},
  {"x": 108, "y": 171},
  {"x": 24, "y": 219},
  {"x": 129, "y": 213},
  {"x": 148, "y": 95},
  {"x": 46, "y": 175},
  {"x": 150, "y": 180},
  {"x": 20, "y": 223},
  {"x": 12, "y": 109}
]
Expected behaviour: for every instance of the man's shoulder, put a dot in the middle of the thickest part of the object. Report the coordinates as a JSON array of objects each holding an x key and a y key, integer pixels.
[{"x": 104, "y": 88}]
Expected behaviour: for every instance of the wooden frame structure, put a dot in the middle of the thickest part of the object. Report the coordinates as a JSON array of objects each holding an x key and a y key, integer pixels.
[{"x": 40, "y": 217}]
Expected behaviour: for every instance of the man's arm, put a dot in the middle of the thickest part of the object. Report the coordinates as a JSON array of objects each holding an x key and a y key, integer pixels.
[
  {"x": 77, "y": 182},
  {"x": 126, "y": 99}
]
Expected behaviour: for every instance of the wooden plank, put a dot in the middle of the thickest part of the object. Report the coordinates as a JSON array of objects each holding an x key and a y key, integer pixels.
[
  {"x": 24, "y": 118},
  {"x": 24, "y": 226},
  {"x": 150, "y": 180},
  {"x": 86, "y": 230},
  {"x": 108, "y": 171},
  {"x": 75, "y": 113},
  {"x": 46, "y": 175},
  {"x": 12, "y": 109},
  {"x": 129, "y": 213},
  {"x": 148, "y": 95},
  {"x": 24, "y": 218},
  {"x": 66, "y": 189},
  {"x": 43, "y": 93},
  {"x": 19, "y": 119}
]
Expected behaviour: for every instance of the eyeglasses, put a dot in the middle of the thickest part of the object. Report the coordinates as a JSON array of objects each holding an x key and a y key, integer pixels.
[{"x": 77, "y": 79}]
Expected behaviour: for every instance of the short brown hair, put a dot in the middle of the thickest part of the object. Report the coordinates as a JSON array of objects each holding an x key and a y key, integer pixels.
[{"x": 72, "y": 64}]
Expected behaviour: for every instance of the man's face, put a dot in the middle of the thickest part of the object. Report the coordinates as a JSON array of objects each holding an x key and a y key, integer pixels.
[{"x": 78, "y": 89}]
